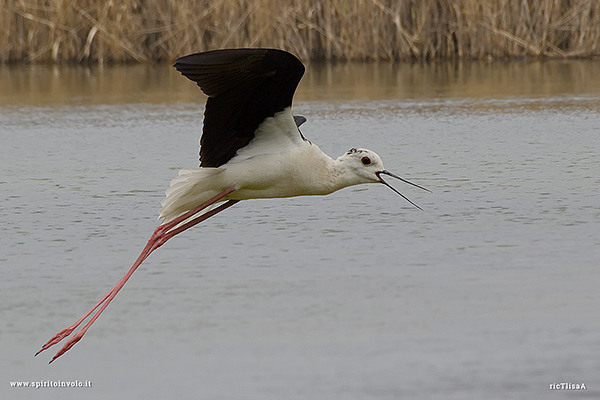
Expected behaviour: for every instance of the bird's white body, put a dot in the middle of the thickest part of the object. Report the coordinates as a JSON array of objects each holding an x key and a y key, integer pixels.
[{"x": 276, "y": 163}]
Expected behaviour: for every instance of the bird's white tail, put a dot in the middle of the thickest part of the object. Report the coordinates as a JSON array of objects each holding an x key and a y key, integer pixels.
[{"x": 191, "y": 188}]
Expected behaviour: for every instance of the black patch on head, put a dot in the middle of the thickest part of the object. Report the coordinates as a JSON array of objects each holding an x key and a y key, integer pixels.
[{"x": 354, "y": 150}]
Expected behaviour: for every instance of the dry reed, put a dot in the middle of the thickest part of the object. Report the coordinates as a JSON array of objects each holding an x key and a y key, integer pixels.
[{"x": 161, "y": 30}]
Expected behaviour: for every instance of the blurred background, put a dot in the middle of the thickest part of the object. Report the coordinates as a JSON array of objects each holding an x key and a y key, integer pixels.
[
  {"x": 489, "y": 293},
  {"x": 391, "y": 30}
]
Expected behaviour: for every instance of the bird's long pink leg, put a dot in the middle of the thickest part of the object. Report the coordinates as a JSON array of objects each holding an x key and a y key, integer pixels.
[{"x": 162, "y": 233}]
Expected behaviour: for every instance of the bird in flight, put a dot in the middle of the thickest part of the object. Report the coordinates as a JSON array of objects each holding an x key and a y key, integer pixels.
[{"x": 251, "y": 147}]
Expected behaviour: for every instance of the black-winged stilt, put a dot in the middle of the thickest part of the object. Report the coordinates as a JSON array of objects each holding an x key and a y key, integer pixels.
[{"x": 251, "y": 147}]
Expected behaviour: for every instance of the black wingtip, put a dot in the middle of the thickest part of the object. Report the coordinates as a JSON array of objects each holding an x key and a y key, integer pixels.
[
  {"x": 245, "y": 86},
  {"x": 299, "y": 120}
]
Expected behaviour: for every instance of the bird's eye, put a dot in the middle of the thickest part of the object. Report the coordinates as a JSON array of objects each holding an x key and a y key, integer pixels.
[{"x": 365, "y": 160}]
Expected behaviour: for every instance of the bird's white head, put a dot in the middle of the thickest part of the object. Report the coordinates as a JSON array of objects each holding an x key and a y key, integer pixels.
[
  {"x": 365, "y": 166},
  {"x": 361, "y": 165}
]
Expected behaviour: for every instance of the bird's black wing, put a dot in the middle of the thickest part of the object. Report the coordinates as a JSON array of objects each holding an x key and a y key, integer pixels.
[
  {"x": 299, "y": 120},
  {"x": 244, "y": 87}
]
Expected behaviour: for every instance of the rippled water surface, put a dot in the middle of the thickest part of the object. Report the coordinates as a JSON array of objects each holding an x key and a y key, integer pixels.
[{"x": 490, "y": 293}]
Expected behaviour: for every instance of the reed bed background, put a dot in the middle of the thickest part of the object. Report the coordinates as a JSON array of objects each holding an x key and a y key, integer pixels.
[{"x": 161, "y": 30}]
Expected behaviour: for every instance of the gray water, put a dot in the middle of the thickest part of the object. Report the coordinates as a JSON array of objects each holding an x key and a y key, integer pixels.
[{"x": 490, "y": 293}]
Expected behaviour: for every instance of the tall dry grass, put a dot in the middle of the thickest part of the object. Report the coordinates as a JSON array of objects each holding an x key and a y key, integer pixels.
[{"x": 156, "y": 30}]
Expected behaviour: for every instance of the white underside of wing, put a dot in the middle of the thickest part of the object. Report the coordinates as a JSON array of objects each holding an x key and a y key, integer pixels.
[{"x": 277, "y": 134}]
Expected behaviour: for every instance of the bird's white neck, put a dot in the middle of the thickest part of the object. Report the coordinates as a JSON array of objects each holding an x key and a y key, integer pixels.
[{"x": 343, "y": 175}]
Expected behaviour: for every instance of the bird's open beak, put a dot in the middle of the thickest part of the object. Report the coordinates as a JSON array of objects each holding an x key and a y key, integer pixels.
[{"x": 384, "y": 172}]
